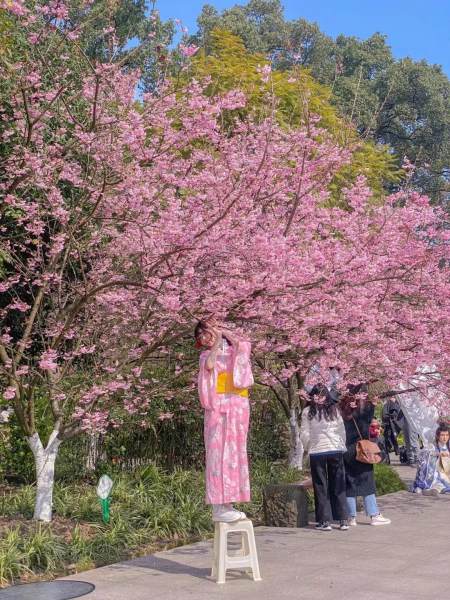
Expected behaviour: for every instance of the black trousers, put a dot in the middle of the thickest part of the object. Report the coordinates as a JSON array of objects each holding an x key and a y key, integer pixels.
[
  {"x": 328, "y": 477},
  {"x": 390, "y": 436}
]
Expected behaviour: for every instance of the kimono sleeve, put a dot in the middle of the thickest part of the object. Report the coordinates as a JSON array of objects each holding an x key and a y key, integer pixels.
[
  {"x": 242, "y": 369},
  {"x": 207, "y": 379}
]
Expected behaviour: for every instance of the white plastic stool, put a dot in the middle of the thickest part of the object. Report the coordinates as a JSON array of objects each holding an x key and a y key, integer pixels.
[{"x": 245, "y": 558}]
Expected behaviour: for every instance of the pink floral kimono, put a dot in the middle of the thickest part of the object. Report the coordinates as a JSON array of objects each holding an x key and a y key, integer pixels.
[{"x": 224, "y": 396}]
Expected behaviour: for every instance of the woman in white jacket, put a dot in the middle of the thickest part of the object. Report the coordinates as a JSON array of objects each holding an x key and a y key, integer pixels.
[{"x": 323, "y": 437}]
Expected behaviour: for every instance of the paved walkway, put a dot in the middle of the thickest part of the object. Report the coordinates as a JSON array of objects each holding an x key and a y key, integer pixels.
[
  {"x": 407, "y": 473},
  {"x": 406, "y": 560}
]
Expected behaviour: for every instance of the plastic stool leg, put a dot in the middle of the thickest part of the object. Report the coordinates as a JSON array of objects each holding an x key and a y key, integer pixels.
[
  {"x": 245, "y": 544},
  {"x": 245, "y": 548},
  {"x": 222, "y": 550},
  {"x": 215, "y": 551},
  {"x": 254, "y": 556}
]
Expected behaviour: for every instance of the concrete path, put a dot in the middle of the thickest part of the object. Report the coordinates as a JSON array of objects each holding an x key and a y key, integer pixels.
[
  {"x": 406, "y": 560},
  {"x": 407, "y": 473}
]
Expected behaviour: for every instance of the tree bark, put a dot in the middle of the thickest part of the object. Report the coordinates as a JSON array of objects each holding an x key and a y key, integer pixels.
[
  {"x": 296, "y": 446},
  {"x": 93, "y": 451},
  {"x": 44, "y": 459}
]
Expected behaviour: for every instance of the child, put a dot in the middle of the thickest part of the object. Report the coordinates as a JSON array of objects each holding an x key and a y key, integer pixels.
[
  {"x": 374, "y": 430},
  {"x": 375, "y": 435}
]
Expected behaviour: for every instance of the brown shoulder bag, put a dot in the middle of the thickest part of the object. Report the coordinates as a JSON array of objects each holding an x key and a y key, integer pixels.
[{"x": 366, "y": 451}]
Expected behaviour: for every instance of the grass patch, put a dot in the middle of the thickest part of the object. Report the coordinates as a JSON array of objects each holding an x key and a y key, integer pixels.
[{"x": 150, "y": 509}]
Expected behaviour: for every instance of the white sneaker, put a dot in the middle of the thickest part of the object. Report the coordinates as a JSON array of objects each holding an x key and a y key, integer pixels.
[
  {"x": 225, "y": 513},
  {"x": 379, "y": 520},
  {"x": 231, "y": 507},
  {"x": 431, "y": 492},
  {"x": 352, "y": 522}
]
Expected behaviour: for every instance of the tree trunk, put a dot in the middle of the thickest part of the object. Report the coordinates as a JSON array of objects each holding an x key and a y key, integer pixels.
[
  {"x": 93, "y": 451},
  {"x": 296, "y": 446},
  {"x": 44, "y": 459}
]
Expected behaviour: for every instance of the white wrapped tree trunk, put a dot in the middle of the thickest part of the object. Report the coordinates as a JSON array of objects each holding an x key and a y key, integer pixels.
[
  {"x": 44, "y": 459},
  {"x": 296, "y": 446}
]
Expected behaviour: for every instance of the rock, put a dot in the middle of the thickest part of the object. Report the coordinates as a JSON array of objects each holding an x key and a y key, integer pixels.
[{"x": 286, "y": 505}]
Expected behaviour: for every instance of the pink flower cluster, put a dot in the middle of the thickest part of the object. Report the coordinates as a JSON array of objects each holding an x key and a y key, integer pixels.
[{"x": 132, "y": 220}]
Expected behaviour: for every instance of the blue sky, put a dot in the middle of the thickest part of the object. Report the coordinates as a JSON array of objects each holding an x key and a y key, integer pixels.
[{"x": 413, "y": 27}]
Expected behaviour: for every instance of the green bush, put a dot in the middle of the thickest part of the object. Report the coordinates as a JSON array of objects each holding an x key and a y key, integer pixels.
[
  {"x": 150, "y": 507},
  {"x": 43, "y": 550},
  {"x": 387, "y": 480}
]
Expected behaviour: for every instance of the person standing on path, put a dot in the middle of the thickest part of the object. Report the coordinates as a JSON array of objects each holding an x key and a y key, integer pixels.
[
  {"x": 358, "y": 413},
  {"x": 323, "y": 436},
  {"x": 225, "y": 375}
]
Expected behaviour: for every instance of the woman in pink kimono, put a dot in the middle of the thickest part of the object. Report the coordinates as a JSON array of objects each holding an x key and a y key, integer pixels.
[{"x": 225, "y": 374}]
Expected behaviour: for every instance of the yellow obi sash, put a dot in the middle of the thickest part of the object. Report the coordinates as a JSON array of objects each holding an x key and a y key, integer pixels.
[{"x": 225, "y": 385}]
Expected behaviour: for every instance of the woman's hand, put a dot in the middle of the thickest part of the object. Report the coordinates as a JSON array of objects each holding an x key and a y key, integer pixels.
[{"x": 232, "y": 337}]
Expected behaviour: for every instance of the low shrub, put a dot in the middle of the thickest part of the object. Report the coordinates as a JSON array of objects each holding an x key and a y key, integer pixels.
[
  {"x": 387, "y": 480},
  {"x": 150, "y": 508}
]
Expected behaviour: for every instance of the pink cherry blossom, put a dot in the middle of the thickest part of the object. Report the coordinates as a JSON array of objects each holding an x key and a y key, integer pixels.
[
  {"x": 9, "y": 393},
  {"x": 165, "y": 416},
  {"x": 128, "y": 219},
  {"x": 188, "y": 51},
  {"x": 48, "y": 359},
  {"x": 265, "y": 72}
]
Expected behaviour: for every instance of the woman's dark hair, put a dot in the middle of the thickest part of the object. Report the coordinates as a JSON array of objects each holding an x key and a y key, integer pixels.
[
  {"x": 200, "y": 328},
  {"x": 326, "y": 408},
  {"x": 443, "y": 428}
]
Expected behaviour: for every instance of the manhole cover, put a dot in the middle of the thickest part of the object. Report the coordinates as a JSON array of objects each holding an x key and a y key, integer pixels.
[{"x": 47, "y": 590}]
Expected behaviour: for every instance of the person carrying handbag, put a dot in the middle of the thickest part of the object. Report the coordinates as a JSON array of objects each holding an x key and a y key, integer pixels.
[
  {"x": 361, "y": 454},
  {"x": 322, "y": 433}
]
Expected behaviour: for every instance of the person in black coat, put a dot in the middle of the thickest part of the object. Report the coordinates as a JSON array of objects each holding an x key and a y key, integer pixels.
[
  {"x": 358, "y": 412},
  {"x": 393, "y": 420}
]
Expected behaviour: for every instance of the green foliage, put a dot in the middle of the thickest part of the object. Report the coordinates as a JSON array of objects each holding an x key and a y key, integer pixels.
[
  {"x": 264, "y": 472},
  {"x": 403, "y": 104},
  {"x": 230, "y": 65},
  {"x": 15, "y": 455},
  {"x": 18, "y": 501},
  {"x": 150, "y": 507},
  {"x": 141, "y": 38},
  {"x": 387, "y": 480},
  {"x": 268, "y": 438},
  {"x": 13, "y": 559},
  {"x": 43, "y": 550},
  {"x": 16, "y": 458},
  {"x": 260, "y": 24},
  {"x": 376, "y": 163},
  {"x": 415, "y": 120},
  {"x": 170, "y": 443}
]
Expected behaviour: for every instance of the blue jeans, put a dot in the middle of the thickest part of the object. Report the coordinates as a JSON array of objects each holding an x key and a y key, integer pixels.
[{"x": 370, "y": 504}]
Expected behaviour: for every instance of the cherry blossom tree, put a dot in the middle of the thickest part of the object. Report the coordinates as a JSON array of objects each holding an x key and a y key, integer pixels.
[
  {"x": 123, "y": 220},
  {"x": 369, "y": 297},
  {"x": 120, "y": 221}
]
